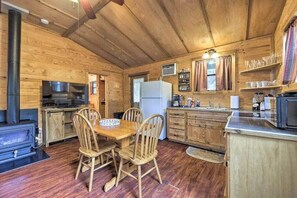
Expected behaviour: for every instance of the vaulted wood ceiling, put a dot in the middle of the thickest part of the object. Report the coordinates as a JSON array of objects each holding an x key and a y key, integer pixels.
[{"x": 144, "y": 31}]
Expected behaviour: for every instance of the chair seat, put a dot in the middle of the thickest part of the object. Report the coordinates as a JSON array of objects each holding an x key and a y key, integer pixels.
[
  {"x": 127, "y": 154},
  {"x": 104, "y": 146}
]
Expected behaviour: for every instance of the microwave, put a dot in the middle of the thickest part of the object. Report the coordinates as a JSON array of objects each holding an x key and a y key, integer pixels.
[{"x": 286, "y": 111}]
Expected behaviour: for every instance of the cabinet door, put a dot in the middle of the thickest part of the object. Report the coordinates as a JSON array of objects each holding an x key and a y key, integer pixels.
[
  {"x": 55, "y": 126},
  {"x": 196, "y": 132},
  {"x": 215, "y": 134}
]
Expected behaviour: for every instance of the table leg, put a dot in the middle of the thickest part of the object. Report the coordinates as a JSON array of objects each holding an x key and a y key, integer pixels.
[
  {"x": 111, "y": 183},
  {"x": 126, "y": 167}
]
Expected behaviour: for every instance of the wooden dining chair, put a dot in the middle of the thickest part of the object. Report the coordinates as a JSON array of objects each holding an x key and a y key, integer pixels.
[
  {"x": 144, "y": 149},
  {"x": 133, "y": 114},
  {"x": 90, "y": 148},
  {"x": 91, "y": 114}
]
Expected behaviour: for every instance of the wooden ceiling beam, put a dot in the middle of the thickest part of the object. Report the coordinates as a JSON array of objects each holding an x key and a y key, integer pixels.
[
  {"x": 147, "y": 32},
  {"x": 111, "y": 43},
  {"x": 56, "y": 9},
  {"x": 207, "y": 22},
  {"x": 85, "y": 18},
  {"x": 113, "y": 26},
  {"x": 171, "y": 22},
  {"x": 97, "y": 50},
  {"x": 248, "y": 16}
]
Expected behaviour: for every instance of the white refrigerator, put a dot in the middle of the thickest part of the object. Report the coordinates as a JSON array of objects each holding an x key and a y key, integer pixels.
[{"x": 155, "y": 97}]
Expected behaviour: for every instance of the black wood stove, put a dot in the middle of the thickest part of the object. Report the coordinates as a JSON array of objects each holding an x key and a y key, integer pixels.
[{"x": 17, "y": 135}]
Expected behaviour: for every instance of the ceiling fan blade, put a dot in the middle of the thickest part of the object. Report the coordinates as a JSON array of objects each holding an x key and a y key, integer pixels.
[
  {"x": 88, "y": 9},
  {"x": 120, "y": 2}
]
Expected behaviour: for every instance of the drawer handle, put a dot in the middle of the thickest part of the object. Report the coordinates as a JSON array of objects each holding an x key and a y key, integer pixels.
[{"x": 176, "y": 114}]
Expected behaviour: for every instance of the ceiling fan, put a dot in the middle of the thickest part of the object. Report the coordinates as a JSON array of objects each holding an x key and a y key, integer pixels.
[{"x": 89, "y": 10}]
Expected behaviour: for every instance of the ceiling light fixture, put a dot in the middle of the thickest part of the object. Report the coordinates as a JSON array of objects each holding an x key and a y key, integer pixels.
[
  {"x": 74, "y": 1},
  {"x": 44, "y": 21},
  {"x": 210, "y": 54}
]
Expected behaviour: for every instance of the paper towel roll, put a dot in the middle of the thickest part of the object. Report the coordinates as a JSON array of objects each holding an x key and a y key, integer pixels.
[{"x": 234, "y": 102}]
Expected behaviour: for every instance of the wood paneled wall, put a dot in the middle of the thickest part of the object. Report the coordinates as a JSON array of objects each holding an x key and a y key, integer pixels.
[
  {"x": 289, "y": 11},
  {"x": 246, "y": 50},
  {"x": 47, "y": 56}
]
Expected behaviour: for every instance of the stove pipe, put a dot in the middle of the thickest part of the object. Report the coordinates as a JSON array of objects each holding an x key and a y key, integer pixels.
[{"x": 13, "y": 71}]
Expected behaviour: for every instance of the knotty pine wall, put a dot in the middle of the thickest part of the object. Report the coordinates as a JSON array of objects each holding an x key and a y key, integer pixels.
[
  {"x": 289, "y": 11},
  {"x": 46, "y": 56},
  {"x": 246, "y": 50}
]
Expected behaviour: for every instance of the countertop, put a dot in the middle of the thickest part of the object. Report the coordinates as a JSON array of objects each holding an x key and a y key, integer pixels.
[
  {"x": 202, "y": 109},
  {"x": 55, "y": 109},
  {"x": 261, "y": 127},
  {"x": 245, "y": 122}
]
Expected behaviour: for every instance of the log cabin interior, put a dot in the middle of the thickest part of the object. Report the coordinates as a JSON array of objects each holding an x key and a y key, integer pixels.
[{"x": 158, "y": 98}]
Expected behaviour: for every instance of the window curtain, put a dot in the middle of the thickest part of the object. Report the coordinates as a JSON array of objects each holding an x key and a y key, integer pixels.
[
  {"x": 224, "y": 73},
  {"x": 200, "y": 76},
  {"x": 290, "y": 56}
]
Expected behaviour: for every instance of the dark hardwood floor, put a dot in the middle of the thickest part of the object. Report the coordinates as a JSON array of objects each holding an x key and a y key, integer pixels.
[{"x": 183, "y": 176}]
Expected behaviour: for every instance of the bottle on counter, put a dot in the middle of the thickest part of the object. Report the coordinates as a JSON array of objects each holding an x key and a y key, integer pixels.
[
  {"x": 262, "y": 106},
  {"x": 197, "y": 103},
  {"x": 190, "y": 102}
]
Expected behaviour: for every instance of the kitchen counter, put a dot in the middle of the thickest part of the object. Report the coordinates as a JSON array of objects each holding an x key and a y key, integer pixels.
[
  {"x": 261, "y": 127},
  {"x": 261, "y": 124},
  {"x": 56, "y": 109},
  {"x": 202, "y": 109}
]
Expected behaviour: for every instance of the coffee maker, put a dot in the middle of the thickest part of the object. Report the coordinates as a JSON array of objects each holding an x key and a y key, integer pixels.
[{"x": 176, "y": 100}]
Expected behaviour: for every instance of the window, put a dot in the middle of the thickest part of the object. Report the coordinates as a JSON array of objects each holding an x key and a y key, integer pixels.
[
  {"x": 135, "y": 89},
  {"x": 211, "y": 75},
  {"x": 93, "y": 86},
  {"x": 214, "y": 74},
  {"x": 290, "y": 55}
]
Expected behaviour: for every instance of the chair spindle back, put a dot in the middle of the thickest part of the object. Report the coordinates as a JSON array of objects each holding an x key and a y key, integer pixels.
[
  {"x": 133, "y": 114},
  {"x": 147, "y": 136},
  {"x": 86, "y": 135},
  {"x": 91, "y": 114}
]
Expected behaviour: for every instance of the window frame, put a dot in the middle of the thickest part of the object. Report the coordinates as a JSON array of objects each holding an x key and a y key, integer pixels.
[
  {"x": 93, "y": 89},
  {"x": 234, "y": 70}
]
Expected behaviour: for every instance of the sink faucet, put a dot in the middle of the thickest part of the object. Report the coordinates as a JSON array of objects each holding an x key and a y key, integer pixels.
[{"x": 209, "y": 104}]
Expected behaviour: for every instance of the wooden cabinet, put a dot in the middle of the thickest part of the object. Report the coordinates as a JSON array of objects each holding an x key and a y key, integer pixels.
[
  {"x": 215, "y": 133},
  {"x": 196, "y": 131},
  {"x": 199, "y": 128},
  {"x": 57, "y": 124},
  {"x": 176, "y": 125},
  {"x": 261, "y": 167}
]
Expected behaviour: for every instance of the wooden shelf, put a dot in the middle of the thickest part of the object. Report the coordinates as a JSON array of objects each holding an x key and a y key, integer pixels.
[
  {"x": 267, "y": 67},
  {"x": 258, "y": 88}
]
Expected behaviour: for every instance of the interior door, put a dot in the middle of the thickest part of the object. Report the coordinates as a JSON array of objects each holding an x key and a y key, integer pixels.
[{"x": 135, "y": 89}]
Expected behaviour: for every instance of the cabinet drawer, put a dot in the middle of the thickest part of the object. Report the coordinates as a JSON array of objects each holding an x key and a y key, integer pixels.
[
  {"x": 221, "y": 117},
  {"x": 197, "y": 123},
  {"x": 177, "y": 126},
  {"x": 177, "y": 121},
  {"x": 176, "y": 113},
  {"x": 200, "y": 115},
  {"x": 219, "y": 126},
  {"x": 176, "y": 134}
]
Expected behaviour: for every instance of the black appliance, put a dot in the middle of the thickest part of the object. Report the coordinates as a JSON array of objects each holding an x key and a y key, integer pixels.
[
  {"x": 286, "y": 109},
  {"x": 64, "y": 94},
  {"x": 17, "y": 136},
  {"x": 176, "y": 100}
]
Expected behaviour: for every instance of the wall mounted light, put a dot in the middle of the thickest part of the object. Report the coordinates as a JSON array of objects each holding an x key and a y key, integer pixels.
[{"x": 210, "y": 54}]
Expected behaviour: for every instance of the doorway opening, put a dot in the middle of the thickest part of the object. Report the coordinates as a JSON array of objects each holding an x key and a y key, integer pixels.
[
  {"x": 97, "y": 96},
  {"x": 135, "y": 81}
]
